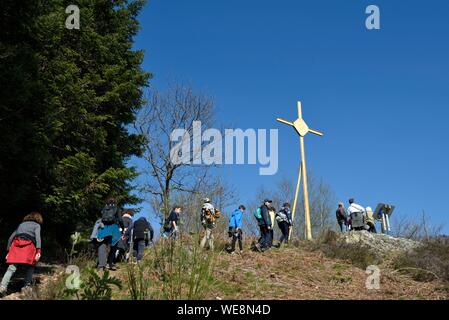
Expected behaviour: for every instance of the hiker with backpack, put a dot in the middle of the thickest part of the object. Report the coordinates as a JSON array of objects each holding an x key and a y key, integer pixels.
[
  {"x": 209, "y": 215},
  {"x": 109, "y": 234},
  {"x": 170, "y": 228},
  {"x": 235, "y": 228},
  {"x": 284, "y": 221},
  {"x": 341, "y": 216},
  {"x": 123, "y": 244},
  {"x": 356, "y": 215},
  {"x": 264, "y": 222},
  {"x": 24, "y": 250},
  {"x": 137, "y": 234}
]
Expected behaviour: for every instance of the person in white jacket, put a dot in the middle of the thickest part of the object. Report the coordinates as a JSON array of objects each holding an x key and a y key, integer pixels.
[{"x": 357, "y": 215}]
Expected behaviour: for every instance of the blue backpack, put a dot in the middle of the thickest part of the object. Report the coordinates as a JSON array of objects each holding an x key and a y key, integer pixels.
[{"x": 258, "y": 214}]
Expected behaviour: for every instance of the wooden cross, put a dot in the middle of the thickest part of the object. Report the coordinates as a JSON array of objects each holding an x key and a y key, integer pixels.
[{"x": 302, "y": 129}]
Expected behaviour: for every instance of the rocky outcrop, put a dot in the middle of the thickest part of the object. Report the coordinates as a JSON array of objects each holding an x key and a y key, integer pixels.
[{"x": 380, "y": 244}]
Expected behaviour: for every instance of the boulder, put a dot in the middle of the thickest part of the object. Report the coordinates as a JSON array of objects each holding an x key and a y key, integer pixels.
[{"x": 380, "y": 244}]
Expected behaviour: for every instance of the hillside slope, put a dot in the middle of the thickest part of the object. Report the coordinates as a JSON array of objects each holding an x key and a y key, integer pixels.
[
  {"x": 333, "y": 268},
  {"x": 297, "y": 273}
]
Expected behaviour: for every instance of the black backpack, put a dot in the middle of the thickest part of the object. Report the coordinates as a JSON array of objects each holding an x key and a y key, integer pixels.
[
  {"x": 167, "y": 226},
  {"x": 109, "y": 214}
]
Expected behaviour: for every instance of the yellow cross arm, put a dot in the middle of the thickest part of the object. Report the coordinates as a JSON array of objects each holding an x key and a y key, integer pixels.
[
  {"x": 285, "y": 121},
  {"x": 316, "y": 132}
]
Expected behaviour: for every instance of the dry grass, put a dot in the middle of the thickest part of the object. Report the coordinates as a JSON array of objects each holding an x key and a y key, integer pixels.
[
  {"x": 357, "y": 254},
  {"x": 298, "y": 274},
  {"x": 427, "y": 263}
]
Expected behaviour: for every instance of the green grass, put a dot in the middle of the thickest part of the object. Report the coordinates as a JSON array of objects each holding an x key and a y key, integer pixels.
[{"x": 172, "y": 270}]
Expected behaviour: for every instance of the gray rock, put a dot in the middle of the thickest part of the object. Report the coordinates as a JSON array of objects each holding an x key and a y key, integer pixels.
[{"x": 380, "y": 244}]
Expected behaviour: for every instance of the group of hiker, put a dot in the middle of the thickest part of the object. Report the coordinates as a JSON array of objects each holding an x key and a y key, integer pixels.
[
  {"x": 117, "y": 236},
  {"x": 120, "y": 236},
  {"x": 266, "y": 217},
  {"x": 355, "y": 218}
]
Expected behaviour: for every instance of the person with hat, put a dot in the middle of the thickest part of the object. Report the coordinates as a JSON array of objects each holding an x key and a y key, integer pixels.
[
  {"x": 265, "y": 226},
  {"x": 209, "y": 215},
  {"x": 370, "y": 220}
]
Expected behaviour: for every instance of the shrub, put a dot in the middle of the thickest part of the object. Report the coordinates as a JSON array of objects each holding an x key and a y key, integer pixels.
[
  {"x": 356, "y": 253},
  {"x": 95, "y": 287},
  {"x": 54, "y": 289},
  {"x": 426, "y": 263},
  {"x": 182, "y": 269},
  {"x": 138, "y": 282}
]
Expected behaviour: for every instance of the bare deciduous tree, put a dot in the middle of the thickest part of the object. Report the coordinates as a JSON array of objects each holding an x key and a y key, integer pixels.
[
  {"x": 177, "y": 108},
  {"x": 419, "y": 227},
  {"x": 222, "y": 196}
]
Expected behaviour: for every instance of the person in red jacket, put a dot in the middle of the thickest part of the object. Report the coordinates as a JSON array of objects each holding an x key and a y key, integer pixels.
[{"x": 24, "y": 250}]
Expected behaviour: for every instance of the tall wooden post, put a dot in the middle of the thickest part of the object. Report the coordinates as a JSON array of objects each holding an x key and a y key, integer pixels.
[
  {"x": 302, "y": 129},
  {"x": 296, "y": 200},
  {"x": 307, "y": 224}
]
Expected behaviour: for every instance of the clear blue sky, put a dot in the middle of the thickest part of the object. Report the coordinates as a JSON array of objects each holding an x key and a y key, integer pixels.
[{"x": 381, "y": 96}]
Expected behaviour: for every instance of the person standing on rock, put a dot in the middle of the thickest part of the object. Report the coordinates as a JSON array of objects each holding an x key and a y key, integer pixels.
[
  {"x": 370, "y": 220},
  {"x": 24, "y": 250},
  {"x": 341, "y": 216},
  {"x": 357, "y": 215}
]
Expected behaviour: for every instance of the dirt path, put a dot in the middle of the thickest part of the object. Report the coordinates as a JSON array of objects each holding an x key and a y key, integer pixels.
[{"x": 44, "y": 276}]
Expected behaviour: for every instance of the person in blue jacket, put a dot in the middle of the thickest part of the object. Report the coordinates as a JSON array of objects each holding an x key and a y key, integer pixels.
[{"x": 235, "y": 227}]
